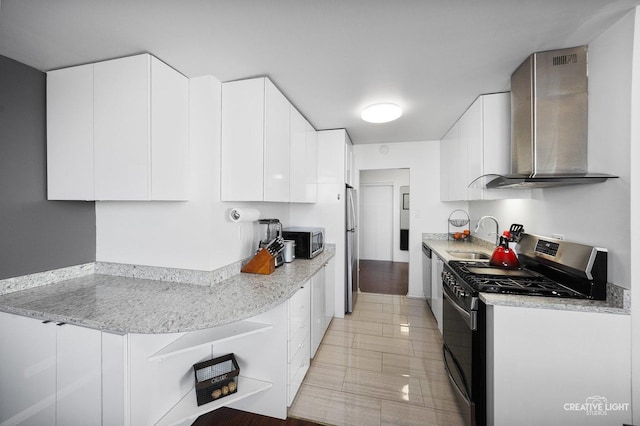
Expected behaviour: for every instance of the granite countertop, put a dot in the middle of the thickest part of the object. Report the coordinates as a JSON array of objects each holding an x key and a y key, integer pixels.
[
  {"x": 618, "y": 299},
  {"x": 135, "y": 305}
]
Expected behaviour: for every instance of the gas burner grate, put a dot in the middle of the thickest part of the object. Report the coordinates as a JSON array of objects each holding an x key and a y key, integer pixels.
[{"x": 525, "y": 283}]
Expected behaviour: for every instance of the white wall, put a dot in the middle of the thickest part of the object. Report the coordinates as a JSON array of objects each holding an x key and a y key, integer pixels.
[
  {"x": 428, "y": 214},
  {"x": 195, "y": 234},
  {"x": 395, "y": 178}
]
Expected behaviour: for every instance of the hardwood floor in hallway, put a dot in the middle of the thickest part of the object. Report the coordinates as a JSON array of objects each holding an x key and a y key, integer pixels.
[
  {"x": 381, "y": 365},
  {"x": 385, "y": 277}
]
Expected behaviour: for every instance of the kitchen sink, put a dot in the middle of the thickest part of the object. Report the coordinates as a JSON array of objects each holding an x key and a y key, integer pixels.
[{"x": 469, "y": 255}]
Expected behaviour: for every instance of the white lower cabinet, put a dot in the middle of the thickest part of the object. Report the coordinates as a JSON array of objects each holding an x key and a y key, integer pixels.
[
  {"x": 330, "y": 291},
  {"x": 317, "y": 310},
  {"x": 557, "y": 367},
  {"x": 298, "y": 340},
  {"x": 51, "y": 375},
  {"x": 79, "y": 376},
  {"x": 322, "y": 301}
]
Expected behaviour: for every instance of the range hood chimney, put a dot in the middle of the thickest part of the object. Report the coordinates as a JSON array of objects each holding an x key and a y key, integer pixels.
[{"x": 549, "y": 109}]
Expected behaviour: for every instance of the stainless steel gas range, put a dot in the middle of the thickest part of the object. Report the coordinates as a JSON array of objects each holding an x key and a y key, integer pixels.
[{"x": 549, "y": 268}]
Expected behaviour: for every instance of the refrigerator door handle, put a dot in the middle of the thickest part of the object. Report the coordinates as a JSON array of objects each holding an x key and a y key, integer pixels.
[{"x": 352, "y": 210}]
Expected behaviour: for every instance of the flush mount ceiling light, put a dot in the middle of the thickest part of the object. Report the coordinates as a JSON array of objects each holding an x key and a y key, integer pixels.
[{"x": 381, "y": 113}]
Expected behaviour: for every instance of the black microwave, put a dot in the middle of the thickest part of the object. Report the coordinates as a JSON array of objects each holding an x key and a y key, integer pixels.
[{"x": 309, "y": 241}]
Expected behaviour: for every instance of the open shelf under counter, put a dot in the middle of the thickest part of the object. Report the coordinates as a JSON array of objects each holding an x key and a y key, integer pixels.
[
  {"x": 188, "y": 410},
  {"x": 195, "y": 339}
]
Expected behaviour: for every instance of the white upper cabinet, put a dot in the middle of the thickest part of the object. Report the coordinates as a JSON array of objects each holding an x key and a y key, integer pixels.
[
  {"x": 121, "y": 128},
  {"x": 255, "y": 142},
  {"x": 269, "y": 151},
  {"x": 276, "y": 148},
  {"x": 335, "y": 156},
  {"x": 303, "y": 159},
  {"x": 70, "y": 133},
  {"x": 478, "y": 144},
  {"x": 448, "y": 164}
]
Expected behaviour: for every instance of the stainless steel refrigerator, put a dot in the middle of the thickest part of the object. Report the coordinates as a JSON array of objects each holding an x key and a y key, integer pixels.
[{"x": 351, "y": 249}]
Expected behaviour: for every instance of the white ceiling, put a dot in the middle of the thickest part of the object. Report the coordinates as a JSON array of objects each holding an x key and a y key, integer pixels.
[{"x": 329, "y": 57}]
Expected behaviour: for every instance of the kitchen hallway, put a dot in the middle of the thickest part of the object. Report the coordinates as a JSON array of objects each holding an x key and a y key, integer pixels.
[
  {"x": 381, "y": 365},
  {"x": 385, "y": 277}
]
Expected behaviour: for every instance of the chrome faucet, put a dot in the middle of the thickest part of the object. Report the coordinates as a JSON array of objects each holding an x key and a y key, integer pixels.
[{"x": 497, "y": 227}]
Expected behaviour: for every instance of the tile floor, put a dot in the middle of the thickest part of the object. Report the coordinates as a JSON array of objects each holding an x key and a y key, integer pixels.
[{"x": 381, "y": 365}]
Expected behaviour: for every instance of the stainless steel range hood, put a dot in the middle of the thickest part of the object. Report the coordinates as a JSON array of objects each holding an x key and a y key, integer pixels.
[{"x": 549, "y": 108}]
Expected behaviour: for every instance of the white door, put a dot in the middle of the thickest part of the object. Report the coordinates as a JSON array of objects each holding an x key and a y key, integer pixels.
[{"x": 376, "y": 222}]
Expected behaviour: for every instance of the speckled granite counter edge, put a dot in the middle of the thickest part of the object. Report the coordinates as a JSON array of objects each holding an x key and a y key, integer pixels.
[
  {"x": 619, "y": 306},
  {"x": 130, "y": 298},
  {"x": 176, "y": 275},
  {"x": 10, "y": 285}
]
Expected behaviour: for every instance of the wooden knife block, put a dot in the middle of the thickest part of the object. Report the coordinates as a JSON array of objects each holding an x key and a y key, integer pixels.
[{"x": 262, "y": 263}]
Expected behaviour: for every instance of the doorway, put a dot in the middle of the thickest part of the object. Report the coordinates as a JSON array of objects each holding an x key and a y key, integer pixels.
[
  {"x": 376, "y": 234},
  {"x": 384, "y": 210}
]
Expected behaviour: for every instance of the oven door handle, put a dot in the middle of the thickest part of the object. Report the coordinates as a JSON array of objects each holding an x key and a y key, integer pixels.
[{"x": 469, "y": 317}]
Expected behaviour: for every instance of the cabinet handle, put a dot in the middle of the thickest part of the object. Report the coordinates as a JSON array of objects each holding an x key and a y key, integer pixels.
[
  {"x": 60, "y": 323},
  {"x": 46, "y": 321}
]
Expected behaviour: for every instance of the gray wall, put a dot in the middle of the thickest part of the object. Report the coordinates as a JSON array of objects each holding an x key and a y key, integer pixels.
[{"x": 35, "y": 234}]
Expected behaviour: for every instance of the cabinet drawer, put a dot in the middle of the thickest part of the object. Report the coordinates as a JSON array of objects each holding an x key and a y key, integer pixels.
[
  {"x": 300, "y": 360},
  {"x": 299, "y": 340},
  {"x": 299, "y": 310},
  {"x": 297, "y": 370}
]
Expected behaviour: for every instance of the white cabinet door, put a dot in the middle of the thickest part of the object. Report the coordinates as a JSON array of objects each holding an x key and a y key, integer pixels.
[
  {"x": 276, "y": 148},
  {"x": 303, "y": 159},
  {"x": 27, "y": 371},
  {"x": 311, "y": 163},
  {"x": 448, "y": 165},
  {"x": 331, "y": 156},
  {"x": 330, "y": 291},
  {"x": 242, "y": 164},
  {"x": 564, "y": 353},
  {"x": 317, "y": 310},
  {"x": 121, "y": 128},
  {"x": 169, "y": 133},
  {"x": 70, "y": 133},
  {"x": 496, "y": 145},
  {"x": 79, "y": 376},
  {"x": 299, "y": 339},
  {"x": 471, "y": 138},
  {"x": 298, "y": 142},
  {"x": 49, "y": 374},
  {"x": 115, "y": 384},
  {"x": 255, "y": 142}
]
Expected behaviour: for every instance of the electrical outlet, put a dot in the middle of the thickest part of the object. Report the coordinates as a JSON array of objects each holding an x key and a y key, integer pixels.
[{"x": 558, "y": 236}]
